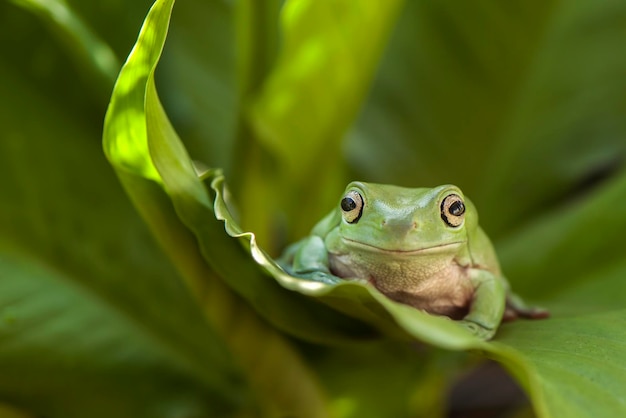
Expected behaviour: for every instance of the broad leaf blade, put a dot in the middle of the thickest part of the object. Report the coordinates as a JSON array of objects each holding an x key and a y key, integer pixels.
[
  {"x": 328, "y": 57},
  {"x": 571, "y": 366},
  {"x": 196, "y": 78},
  {"x": 81, "y": 226},
  {"x": 570, "y": 244},
  {"x": 151, "y": 161},
  {"x": 517, "y": 101},
  {"x": 299, "y": 115},
  {"x": 288, "y": 388},
  {"x": 82, "y": 43},
  {"x": 82, "y": 250},
  {"x": 67, "y": 352},
  {"x": 7, "y": 411},
  {"x": 129, "y": 148}
]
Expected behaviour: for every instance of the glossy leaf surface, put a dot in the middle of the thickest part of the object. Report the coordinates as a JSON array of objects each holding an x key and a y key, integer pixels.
[{"x": 519, "y": 103}]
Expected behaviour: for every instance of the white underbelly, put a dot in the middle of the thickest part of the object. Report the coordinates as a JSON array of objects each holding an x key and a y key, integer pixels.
[{"x": 435, "y": 283}]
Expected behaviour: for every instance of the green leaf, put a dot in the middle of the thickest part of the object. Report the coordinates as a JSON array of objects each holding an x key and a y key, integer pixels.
[
  {"x": 196, "y": 78},
  {"x": 81, "y": 42},
  {"x": 74, "y": 326},
  {"x": 151, "y": 161},
  {"x": 329, "y": 54},
  {"x": 59, "y": 337},
  {"x": 135, "y": 151},
  {"x": 571, "y": 244},
  {"x": 518, "y": 102},
  {"x": 10, "y": 412},
  {"x": 299, "y": 114},
  {"x": 79, "y": 268},
  {"x": 415, "y": 378},
  {"x": 571, "y": 366}
]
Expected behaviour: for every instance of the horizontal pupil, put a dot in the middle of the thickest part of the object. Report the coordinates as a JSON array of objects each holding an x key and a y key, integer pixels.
[{"x": 348, "y": 204}]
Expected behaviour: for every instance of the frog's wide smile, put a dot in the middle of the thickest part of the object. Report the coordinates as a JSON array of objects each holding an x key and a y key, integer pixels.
[{"x": 432, "y": 248}]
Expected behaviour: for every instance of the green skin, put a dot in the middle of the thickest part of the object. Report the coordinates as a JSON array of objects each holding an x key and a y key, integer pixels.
[{"x": 407, "y": 244}]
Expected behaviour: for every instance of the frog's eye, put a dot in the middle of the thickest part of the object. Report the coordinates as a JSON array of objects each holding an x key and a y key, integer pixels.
[
  {"x": 453, "y": 210},
  {"x": 352, "y": 206}
]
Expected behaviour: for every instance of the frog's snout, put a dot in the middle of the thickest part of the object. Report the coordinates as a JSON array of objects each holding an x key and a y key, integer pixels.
[{"x": 399, "y": 226}]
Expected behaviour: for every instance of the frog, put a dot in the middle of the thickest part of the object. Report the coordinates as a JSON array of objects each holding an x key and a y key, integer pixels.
[{"x": 421, "y": 247}]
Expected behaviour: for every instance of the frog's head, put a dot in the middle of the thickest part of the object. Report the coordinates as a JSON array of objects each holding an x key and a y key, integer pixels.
[{"x": 398, "y": 219}]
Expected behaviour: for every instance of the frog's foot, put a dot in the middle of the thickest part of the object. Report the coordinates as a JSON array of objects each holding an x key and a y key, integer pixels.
[
  {"x": 477, "y": 329},
  {"x": 516, "y": 308},
  {"x": 320, "y": 276}
]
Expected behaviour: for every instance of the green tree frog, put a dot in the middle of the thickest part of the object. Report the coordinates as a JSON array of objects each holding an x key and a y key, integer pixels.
[{"x": 422, "y": 247}]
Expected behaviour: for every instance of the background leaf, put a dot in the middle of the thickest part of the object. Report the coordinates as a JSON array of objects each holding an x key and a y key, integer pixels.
[
  {"x": 513, "y": 101},
  {"x": 520, "y": 103},
  {"x": 572, "y": 366},
  {"x": 82, "y": 43},
  {"x": 593, "y": 223},
  {"x": 196, "y": 77},
  {"x": 293, "y": 124},
  {"x": 59, "y": 337},
  {"x": 64, "y": 211},
  {"x": 145, "y": 151}
]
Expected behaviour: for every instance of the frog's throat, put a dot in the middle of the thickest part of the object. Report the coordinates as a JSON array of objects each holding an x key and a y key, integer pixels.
[{"x": 435, "y": 248}]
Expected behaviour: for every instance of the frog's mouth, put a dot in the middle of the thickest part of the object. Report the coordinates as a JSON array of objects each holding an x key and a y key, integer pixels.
[{"x": 432, "y": 249}]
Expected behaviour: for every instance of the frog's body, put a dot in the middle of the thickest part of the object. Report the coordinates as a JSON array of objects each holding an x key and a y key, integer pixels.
[
  {"x": 446, "y": 291},
  {"x": 422, "y": 247}
]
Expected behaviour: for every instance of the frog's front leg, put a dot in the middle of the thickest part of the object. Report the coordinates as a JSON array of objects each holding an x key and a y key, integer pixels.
[
  {"x": 311, "y": 261},
  {"x": 488, "y": 304}
]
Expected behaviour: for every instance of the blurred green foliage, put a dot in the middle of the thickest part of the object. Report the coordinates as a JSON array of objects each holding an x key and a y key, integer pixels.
[{"x": 520, "y": 103}]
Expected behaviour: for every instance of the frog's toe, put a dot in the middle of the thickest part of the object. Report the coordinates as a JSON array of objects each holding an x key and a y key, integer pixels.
[
  {"x": 535, "y": 313},
  {"x": 478, "y": 330},
  {"x": 526, "y": 312},
  {"x": 517, "y": 308},
  {"x": 320, "y": 276},
  {"x": 509, "y": 315}
]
